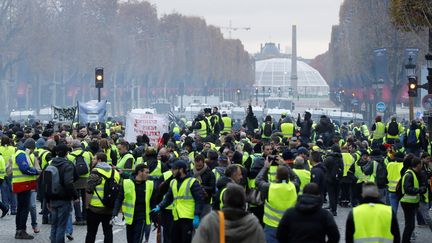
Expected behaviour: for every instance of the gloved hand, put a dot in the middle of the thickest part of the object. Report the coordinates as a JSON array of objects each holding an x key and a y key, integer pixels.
[
  {"x": 196, "y": 221},
  {"x": 156, "y": 209}
]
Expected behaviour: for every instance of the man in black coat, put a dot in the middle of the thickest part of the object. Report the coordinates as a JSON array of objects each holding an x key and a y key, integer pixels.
[
  {"x": 207, "y": 181},
  {"x": 307, "y": 221},
  {"x": 305, "y": 127},
  {"x": 334, "y": 165},
  {"x": 318, "y": 171},
  {"x": 251, "y": 122}
]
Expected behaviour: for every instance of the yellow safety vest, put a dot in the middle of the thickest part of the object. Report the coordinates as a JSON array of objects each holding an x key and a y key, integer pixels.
[
  {"x": 392, "y": 136},
  {"x": 365, "y": 130},
  {"x": 157, "y": 172},
  {"x": 393, "y": 175},
  {"x": 108, "y": 155},
  {"x": 227, "y": 121},
  {"x": 221, "y": 204},
  {"x": 361, "y": 177},
  {"x": 86, "y": 155},
  {"x": 128, "y": 205},
  {"x": 263, "y": 129},
  {"x": 287, "y": 129},
  {"x": 17, "y": 175},
  {"x": 417, "y": 131},
  {"x": 379, "y": 130},
  {"x": 166, "y": 175},
  {"x": 304, "y": 176},
  {"x": 218, "y": 173},
  {"x": 122, "y": 162},
  {"x": 271, "y": 174},
  {"x": 2, "y": 168},
  {"x": 372, "y": 223},
  {"x": 410, "y": 198},
  {"x": 183, "y": 203},
  {"x": 42, "y": 156},
  {"x": 281, "y": 196},
  {"x": 203, "y": 130},
  {"x": 7, "y": 152},
  {"x": 348, "y": 160},
  {"x": 95, "y": 201}
]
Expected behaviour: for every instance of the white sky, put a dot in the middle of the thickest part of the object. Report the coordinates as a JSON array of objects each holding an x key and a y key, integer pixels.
[{"x": 269, "y": 20}]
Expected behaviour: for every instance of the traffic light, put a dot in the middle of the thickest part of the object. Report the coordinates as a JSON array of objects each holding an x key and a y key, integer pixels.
[
  {"x": 412, "y": 86},
  {"x": 99, "y": 77}
]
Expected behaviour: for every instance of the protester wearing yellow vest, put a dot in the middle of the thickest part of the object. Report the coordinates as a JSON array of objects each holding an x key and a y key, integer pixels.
[
  {"x": 187, "y": 200},
  {"x": 379, "y": 132},
  {"x": 372, "y": 221},
  {"x": 287, "y": 128},
  {"x": 303, "y": 174},
  {"x": 278, "y": 197},
  {"x": 200, "y": 126},
  {"x": 98, "y": 213},
  {"x": 136, "y": 200},
  {"x": 81, "y": 183},
  {"x": 393, "y": 176},
  {"x": 411, "y": 192},
  {"x": 227, "y": 121},
  {"x": 24, "y": 175},
  {"x": 126, "y": 161},
  {"x": 3, "y": 207},
  {"x": 233, "y": 174}
]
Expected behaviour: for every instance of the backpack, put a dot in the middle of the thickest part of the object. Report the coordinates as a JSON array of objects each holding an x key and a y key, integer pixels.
[
  {"x": 412, "y": 138},
  {"x": 111, "y": 190},
  {"x": 267, "y": 129},
  {"x": 81, "y": 166},
  {"x": 393, "y": 129},
  {"x": 51, "y": 180}
]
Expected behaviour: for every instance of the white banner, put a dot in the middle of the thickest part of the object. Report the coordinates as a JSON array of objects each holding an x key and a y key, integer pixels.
[
  {"x": 154, "y": 126},
  {"x": 63, "y": 114}
]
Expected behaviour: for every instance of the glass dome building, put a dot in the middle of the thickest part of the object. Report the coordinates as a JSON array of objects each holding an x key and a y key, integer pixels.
[{"x": 273, "y": 74}]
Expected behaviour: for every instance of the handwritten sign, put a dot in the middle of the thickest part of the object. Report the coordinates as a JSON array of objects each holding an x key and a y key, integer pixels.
[
  {"x": 154, "y": 126},
  {"x": 66, "y": 114}
]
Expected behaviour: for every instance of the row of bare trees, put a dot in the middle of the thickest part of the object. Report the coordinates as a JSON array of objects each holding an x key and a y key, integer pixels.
[{"x": 49, "y": 49}]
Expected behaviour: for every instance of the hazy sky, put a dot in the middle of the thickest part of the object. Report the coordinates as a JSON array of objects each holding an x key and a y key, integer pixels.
[{"x": 269, "y": 20}]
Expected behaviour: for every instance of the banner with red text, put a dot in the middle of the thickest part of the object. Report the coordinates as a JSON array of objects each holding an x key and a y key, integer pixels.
[{"x": 154, "y": 126}]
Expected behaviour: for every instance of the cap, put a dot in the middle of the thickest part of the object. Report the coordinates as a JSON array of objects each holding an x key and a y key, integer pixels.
[
  {"x": 30, "y": 143},
  {"x": 179, "y": 164},
  {"x": 302, "y": 150}
]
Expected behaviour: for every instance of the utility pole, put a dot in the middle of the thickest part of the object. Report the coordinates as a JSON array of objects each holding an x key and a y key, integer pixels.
[{"x": 230, "y": 29}]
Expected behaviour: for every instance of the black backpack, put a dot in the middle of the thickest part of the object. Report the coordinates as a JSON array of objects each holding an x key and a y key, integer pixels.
[
  {"x": 81, "y": 165},
  {"x": 393, "y": 129},
  {"x": 51, "y": 181},
  {"x": 412, "y": 138},
  {"x": 267, "y": 129},
  {"x": 111, "y": 190}
]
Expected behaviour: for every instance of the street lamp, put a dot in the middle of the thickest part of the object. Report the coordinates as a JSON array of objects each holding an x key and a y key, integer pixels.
[
  {"x": 410, "y": 70},
  {"x": 238, "y": 97},
  {"x": 256, "y": 96},
  {"x": 429, "y": 88}
]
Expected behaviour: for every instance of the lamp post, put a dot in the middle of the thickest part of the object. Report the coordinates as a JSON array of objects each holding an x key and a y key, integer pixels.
[
  {"x": 256, "y": 96},
  {"x": 377, "y": 86},
  {"x": 412, "y": 86},
  {"x": 238, "y": 97},
  {"x": 429, "y": 79}
]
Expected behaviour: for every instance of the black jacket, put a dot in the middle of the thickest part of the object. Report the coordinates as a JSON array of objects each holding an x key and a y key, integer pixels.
[
  {"x": 349, "y": 233},
  {"x": 305, "y": 125},
  {"x": 67, "y": 176},
  {"x": 307, "y": 222},
  {"x": 334, "y": 165},
  {"x": 208, "y": 184},
  {"x": 318, "y": 173}
]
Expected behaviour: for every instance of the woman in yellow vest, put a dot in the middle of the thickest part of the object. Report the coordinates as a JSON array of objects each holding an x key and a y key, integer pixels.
[
  {"x": 278, "y": 197},
  {"x": 411, "y": 192},
  {"x": 3, "y": 207},
  {"x": 372, "y": 221},
  {"x": 136, "y": 198}
]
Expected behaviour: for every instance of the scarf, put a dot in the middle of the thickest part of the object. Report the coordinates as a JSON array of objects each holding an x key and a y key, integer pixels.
[{"x": 198, "y": 173}]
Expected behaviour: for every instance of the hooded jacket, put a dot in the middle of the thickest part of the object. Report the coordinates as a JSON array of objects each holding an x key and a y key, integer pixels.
[
  {"x": 240, "y": 227},
  {"x": 334, "y": 165},
  {"x": 305, "y": 125},
  {"x": 307, "y": 222},
  {"x": 67, "y": 177}
]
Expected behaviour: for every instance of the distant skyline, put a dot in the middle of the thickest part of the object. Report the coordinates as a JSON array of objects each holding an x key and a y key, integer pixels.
[{"x": 270, "y": 20}]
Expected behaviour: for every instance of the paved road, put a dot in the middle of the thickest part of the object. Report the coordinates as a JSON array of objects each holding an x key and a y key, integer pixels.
[{"x": 7, "y": 230}]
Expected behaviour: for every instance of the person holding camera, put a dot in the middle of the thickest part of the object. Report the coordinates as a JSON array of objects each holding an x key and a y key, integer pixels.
[{"x": 279, "y": 195}]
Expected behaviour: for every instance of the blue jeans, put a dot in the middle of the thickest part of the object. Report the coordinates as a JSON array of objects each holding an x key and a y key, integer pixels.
[
  {"x": 69, "y": 227},
  {"x": 8, "y": 197},
  {"x": 33, "y": 213},
  {"x": 60, "y": 214},
  {"x": 394, "y": 202},
  {"x": 270, "y": 234}
]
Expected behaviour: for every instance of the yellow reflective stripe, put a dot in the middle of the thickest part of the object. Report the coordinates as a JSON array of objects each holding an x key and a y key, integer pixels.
[
  {"x": 267, "y": 205},
  {"x": 373, "y": 239},
  {"x": 271, "y": 217}
]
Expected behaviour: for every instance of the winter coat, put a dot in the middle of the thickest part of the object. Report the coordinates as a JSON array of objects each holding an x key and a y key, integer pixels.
[
  {"x": 305, "y": 125},
  {"x": 250, "y": 123},
  {"x": 240, "y": 227},
  {"x": 67, "y": 177},
  {"x": 334, "y": 165},
  {"x": 318, "y": 174},
  {"x": 307, "y": 222}
]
